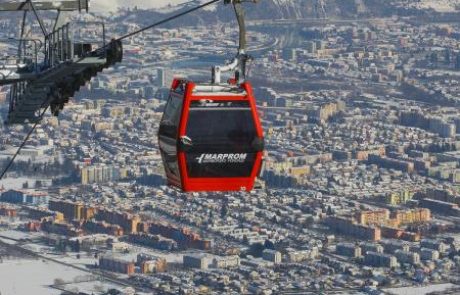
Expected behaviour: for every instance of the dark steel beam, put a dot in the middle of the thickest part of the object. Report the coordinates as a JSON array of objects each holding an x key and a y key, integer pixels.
[
  {"x": 42, "y": 26},
  {"x": 63, "y": 5}
]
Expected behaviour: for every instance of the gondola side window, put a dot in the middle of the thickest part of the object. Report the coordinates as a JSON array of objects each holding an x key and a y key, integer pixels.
[
  {"x": 228, "y": 124},
  {"x": 171, "y": 118},
  {"x": 222, "y": 133}
]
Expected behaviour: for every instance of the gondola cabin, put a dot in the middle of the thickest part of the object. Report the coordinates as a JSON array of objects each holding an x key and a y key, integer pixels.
[{"x": 210, "y": 137}]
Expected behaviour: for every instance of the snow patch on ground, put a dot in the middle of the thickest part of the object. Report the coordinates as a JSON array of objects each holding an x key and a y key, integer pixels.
[
  {"x": 420, "y": 290},
  {"x": 17, "y": 183},
  {"x": 33, "y": 277},
  {"x": 437, "y": 5}
]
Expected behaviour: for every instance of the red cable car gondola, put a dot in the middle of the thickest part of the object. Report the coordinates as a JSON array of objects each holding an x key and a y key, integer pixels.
[{"x": 210, "y": 137}]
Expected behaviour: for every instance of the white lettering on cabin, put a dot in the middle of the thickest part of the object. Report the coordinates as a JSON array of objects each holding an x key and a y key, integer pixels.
[{"x": 221, "y": 158}]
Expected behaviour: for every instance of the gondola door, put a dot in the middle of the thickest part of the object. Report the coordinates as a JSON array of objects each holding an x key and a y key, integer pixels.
[
  {"x": 168, "y": 137},
  {"x": 220, "y": 141}
]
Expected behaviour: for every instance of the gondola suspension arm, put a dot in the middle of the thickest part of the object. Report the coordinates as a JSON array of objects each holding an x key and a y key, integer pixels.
[{"x": 239, "y": 62}]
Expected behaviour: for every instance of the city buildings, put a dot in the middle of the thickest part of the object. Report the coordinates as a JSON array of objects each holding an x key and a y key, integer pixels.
[
  {"x": 359, "y": 190},
  {"x": 24, "y": 197}
]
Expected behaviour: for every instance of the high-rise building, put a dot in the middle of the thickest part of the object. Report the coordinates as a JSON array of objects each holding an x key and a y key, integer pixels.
[
  {"x": 7, "y": 211},
  {"x": 320, "y": 45},
  {"x": 457, "y": 124},
  {"x": 429, "y": 254},
  {"x": 390, "y": 163},
  {"x": 419, "y": 215},
  {"x": 311, "y": 47},
  {"x": 128, "y": 222},
  {"x": 199, "y": 261},
  {"x": 161, "y": 77},
  {"x": 396, "y": 198},
  {"x": 348, "y": 249},
  {"x": 292, "y": 54},
  {"x": 380, "y": 260},
  {"x": 100, "y": 174},
  {"x": 391, "y": 246},
  {"x": 407, "y": 257},
  {"x": 377, "y": 217},
  {"x": 434, "y": 245},
  {"x": 72, "y": 211},
  {"x": 116, "y": 265},
  {"x": 351, "y": 228},
  {"x": 432, "y": 124},
  {"x": 444, "y": 129},
  {"x": 226, "y": 261},
  {"x": 371, "y": 247},
  {"x": 150, "y": 263},
  {"x": 442, "y": 207},
  {"x": 24, "y": 197},
  {"x": 272, "y": 255},
  {"x": 302, "y": 255}
]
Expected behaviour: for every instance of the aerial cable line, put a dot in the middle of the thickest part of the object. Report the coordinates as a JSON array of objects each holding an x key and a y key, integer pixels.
[
  {"x": 168, "y": 19},
  {"x": 26, "y": 139},
  {"x": 40, "y": 118}
]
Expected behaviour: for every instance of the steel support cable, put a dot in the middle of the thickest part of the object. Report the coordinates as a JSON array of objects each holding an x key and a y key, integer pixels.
[
  {"x": 40, "y": 22},
  {"x": 24, "y": 142},
  {"x": 168, "y": 19},
  {"x": 26, "y": 139}
]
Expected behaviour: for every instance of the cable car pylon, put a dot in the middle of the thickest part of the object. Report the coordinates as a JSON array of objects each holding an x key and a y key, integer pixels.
[
  {"x": 25, "y": 72},
  {"x": 48, "y": 79}
]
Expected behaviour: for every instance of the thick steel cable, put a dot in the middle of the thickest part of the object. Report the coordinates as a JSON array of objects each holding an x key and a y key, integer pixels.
[
  {"x": 168, "y": 19},
  {"x": 24, "y": 142}
]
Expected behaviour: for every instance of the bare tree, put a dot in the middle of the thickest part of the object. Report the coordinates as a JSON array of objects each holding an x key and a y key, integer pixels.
[{"x": 59, "y": 281}]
